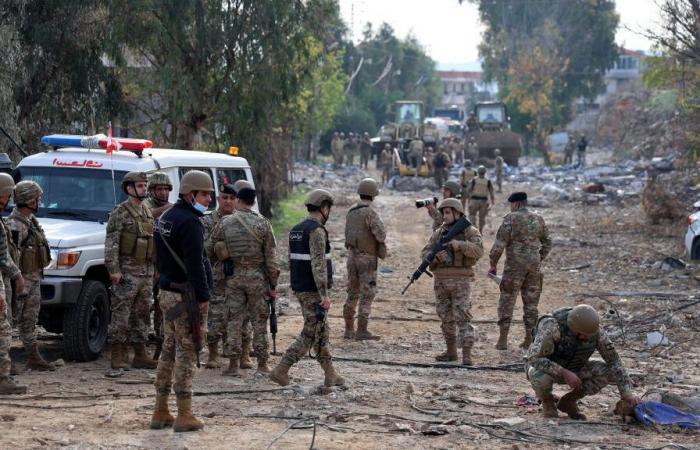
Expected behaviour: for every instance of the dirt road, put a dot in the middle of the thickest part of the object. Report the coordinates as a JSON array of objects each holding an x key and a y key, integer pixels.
[{"x": 390, "y": 406}]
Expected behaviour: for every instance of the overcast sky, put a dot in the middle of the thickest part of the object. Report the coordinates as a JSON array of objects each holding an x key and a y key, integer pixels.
[{"x": 450, "y": 32}]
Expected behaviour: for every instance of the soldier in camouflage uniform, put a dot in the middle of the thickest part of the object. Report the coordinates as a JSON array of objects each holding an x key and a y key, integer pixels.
[
  {"x": 129, "y": 260},
  {"x": 449, "y": 190},
  {"x": 350, "y": 148},
  {"x": 479, "y": 191},
  {"x": 365, "y": 151},
  {"x": 179, "y": 241},
  {"x": 563, "y": 344},
  {"x": 465, "y": 178},
  {"x": 159, "y": 188},
  {"x": 569, "y": 150},
  {"x": 365, "y": 237},
  {"x": 453, "y": 273},
  {"x": 10, "y": 272},
  {"x": 441, "y": 166},
  {"x": 525, "y": 238},
  {"x": 311, "y": 274},
  {"x": 245, "y": 239},
  {"x": 499, "y": 169},
  {"x": 337, "y": 149},
  {"x": 415, "y": 155},
  {"x": 28, "y": 236}
]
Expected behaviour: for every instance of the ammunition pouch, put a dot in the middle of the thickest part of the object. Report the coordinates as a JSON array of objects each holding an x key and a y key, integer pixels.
[{"x": 221, "y": 251}]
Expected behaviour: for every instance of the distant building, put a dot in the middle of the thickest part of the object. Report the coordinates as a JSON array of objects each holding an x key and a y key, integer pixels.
[
  {"x": 461, "y": 90},
  {"x": 625, "y": 74}
]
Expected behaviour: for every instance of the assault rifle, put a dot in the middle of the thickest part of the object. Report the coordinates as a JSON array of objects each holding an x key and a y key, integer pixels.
[
  {"x": 458, "y": 227},
  {"x": 273, "y": 324}
]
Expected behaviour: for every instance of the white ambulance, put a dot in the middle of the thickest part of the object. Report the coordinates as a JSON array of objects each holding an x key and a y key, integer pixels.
[{"x": 82, "y": 184}]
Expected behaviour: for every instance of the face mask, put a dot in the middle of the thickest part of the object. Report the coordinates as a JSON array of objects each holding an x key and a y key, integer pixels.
[{"x": 199, "y": 207}]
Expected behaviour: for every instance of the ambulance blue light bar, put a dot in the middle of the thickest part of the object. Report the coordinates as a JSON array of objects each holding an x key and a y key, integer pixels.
[
  {"x": 96, "y": 141},
  {"x": 63, "y": 140}
]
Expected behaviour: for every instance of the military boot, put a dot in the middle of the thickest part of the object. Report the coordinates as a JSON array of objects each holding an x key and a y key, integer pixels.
[
  {"x": 349, "y": 324},
  {"x": 141, "y": 359},
  {"x": 262, "y": 365},
  {"x": 161, "y": 415},
  {"x": 567, "y": 403},
  {"x": 331, "y": 377},
  {"x": 36, "y": 362},
  {"x": 185, "y": 421},
  {"x": 15, "y": 369},
  {"x": 549, "y": 407},
  {"x": 527, "y": 340},
  {"x": 118, "y": 361},
  {"x": 502, "y": 343},
  {"x": 213, "y": 359},
  {"x": 279, "y": 373},
  {"x": 451, "y": 353},
  {"x": 467, "y": 355},
  {"x": 9, "y": 387},
  {"x": 232, "y": 370},
  {"x": 362, "y": 333},
  {"x": 245, "y": 362}
]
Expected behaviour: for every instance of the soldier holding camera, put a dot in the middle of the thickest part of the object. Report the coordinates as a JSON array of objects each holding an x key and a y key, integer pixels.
[{"x": 450, "y": 189}]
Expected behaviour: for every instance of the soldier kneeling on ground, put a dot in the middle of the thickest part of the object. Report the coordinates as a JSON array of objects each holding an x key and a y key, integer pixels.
[{"x": 563, "y": 343}]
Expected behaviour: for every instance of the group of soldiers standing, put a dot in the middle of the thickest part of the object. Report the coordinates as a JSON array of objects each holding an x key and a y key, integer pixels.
[{"x": 346, "y": 149}]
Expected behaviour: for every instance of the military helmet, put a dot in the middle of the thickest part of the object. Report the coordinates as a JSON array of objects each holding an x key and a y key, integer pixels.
[
  {"x": 481, "y": 170},
  {"x": 26, "y": 191},
  {"x": 317, "y": 197},
  {"x": 7, "y": 184},
  {"x": 497, "y": 152},
  {"x": 467, "y": 163},
  {"x": 453, "y": 187},
  {"x": 368, "y": 186},
  {"x": 240, "y": 184},
  {"x": 451, "y": 203},
  {"x": 159, "y": 179},
  {"x": 196, "y": 180},
  {"x": 335, "y": 134},
  {"x": 583, "y": 319},
  {"x": 387, "y": 145}
]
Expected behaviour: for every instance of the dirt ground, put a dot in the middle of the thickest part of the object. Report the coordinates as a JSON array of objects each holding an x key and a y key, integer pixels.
[{"x": 393, "y": 406}]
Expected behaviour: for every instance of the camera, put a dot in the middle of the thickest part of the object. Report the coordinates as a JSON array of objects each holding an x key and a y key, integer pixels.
[{"x": 425, "y": 202}]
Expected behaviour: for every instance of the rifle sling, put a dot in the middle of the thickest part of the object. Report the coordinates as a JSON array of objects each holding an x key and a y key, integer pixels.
[{"x": 180, "y": 307}]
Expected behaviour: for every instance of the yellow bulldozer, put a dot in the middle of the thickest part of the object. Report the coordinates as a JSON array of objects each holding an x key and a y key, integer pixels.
[{"x": 489, "y": 124}]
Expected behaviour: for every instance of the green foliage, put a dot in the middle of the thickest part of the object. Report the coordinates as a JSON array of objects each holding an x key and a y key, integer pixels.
[{"x": 288, "y": 212}]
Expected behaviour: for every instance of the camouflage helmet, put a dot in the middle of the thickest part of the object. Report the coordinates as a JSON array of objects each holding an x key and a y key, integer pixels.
[
  {"x": 240, "y": 184},
  {"x": 159, "y": 179},
  {"x": 7, "y": 184},
  {"x": 451, "y": 203},
  {"x": 133, "y": 177},
  {"x": 583, "y": 319},
  {"x": 453, "y": 187},
  {"x": 387, "y": 145},
  {"x": 196, "y": 180},
  {"x": 26, "y": 191},
  {"x": 467, "y": 163},
  {"x": 497, "y": 152},
  {"x": 317, "y": 197},
  {"x": 481, "y": 170},
  {"x": 368, "y": 186}
]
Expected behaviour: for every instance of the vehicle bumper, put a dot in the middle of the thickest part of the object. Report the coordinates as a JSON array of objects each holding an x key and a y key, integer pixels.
[{"x": 57, "y": 291}]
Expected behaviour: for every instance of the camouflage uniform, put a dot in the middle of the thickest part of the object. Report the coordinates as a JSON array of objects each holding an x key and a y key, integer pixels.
[
  {"x": 31, "y": 242},
  {"x": 337, "y": 147},
  {"x": 525, "y": 238},
  {"x": 415, "y": 154},
  {"x": 480, "y": 190},
  {"x": 349, "y": 150},
  {"x": 569, "y": 150},
  {"x": 555, "y": 346},
  {"x": 8, "y": 267},
  {"x": 129, "y": 251},
  {"x": 441, "y": 164},
  {"x": 365, "y": 151},
  {"x": 384, "y": 162},
  {"x": 250, "y": 244},
  {"x": 499, "y": 172},
  {"x": 465, "y": 178},
  {"x": 364, "y": 238},
  {"x": 452, "y": 284}
]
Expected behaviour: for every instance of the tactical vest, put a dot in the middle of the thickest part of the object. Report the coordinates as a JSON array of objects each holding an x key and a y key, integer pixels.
[
  {"x": 301, "y": 274},
  {"x": 136, "y": 239},
  {"x": 243, "y": 238},
  {"x": 455, "y": 259},
  {"x": 357, "y": 235},
  {"x": 12, "y": 248},
  {"x": 467, "y": 176},
  {"x": 480, "y": 189},
  {"x": 34, "y": 250},
  {"x": 570, "y": 352},
  {"x": 499, "y": 163}
]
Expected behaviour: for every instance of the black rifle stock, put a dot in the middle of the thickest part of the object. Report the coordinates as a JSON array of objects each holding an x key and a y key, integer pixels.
[{"x": 458, "y": 227}]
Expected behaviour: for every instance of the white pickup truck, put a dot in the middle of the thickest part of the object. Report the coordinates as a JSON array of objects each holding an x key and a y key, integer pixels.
[{"x": 81, "y": 186}]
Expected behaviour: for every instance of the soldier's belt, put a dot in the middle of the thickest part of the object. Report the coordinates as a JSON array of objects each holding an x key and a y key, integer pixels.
[{"x": 179, "y": 288}]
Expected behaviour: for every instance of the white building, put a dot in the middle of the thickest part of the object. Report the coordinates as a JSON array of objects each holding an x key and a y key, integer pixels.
[{"x": 462, "y": 89}]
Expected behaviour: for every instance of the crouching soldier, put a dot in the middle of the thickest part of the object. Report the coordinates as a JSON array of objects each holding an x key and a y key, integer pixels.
[{"x": 563, "y": 343}]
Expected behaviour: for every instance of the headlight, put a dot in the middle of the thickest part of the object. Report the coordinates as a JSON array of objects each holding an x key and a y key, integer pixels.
[{"x": 63, "y": 259}]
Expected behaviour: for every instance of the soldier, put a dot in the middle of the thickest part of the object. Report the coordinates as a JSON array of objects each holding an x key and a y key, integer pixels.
[
  {"x": 350, "y": 149},
  {"x": 472, "y": 149},
  {"x": 525, "y": 238},
  {"x": 10, "y": 272},
  {"x": 365, "y": 237},
  {"x": 179, "y": 241},
  {"x": 499, "y": 169},
  {"x": 465, "y": 178},
  {"x": 129, "y": 260},
  {"x": 337, "y": 149},
  {"x": 449, "y": 190},
  {"x": 216, "y": 323},
  {"x": 441, "y": 163},
  {"x": 159, "y": 188},
  {"x": 33, "y": 248},
  {"x": 581, "y": 151},
  {"x": 458, "y": 150},
  {"x": 428, "y": 157},
  {"x": 311, "y": 273},
  {"x": 479, "y": 191},
  {"x": 564, "y": 342},
  {"x": 245, "y": 239},
  {"x": 365, "y": 150},
  {"x": 472, "y": 122},
  {"x": 453, "y": 272},
  {"x": 569, "y": 150},
  {"x": 385, "y": 162},
  {"x": 415, "y": 155}
]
